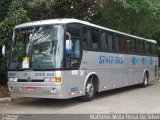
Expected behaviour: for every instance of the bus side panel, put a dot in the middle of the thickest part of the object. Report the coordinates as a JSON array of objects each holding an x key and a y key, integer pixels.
[{"x": 117, "y": 70}]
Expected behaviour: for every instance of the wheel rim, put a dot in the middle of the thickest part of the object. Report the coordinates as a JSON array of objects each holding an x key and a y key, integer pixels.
[
  {"x": 89, "y": 89},
  {"x": 145, "y": 80}
]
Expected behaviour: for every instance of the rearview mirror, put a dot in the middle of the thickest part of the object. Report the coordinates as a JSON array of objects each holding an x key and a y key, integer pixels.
[
  {"x": 3, "y": 51},
  {"x": 68, "y": 44}
]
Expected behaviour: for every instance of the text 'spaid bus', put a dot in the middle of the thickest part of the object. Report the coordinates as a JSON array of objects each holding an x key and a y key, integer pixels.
[{"x": 66, "y": 58}]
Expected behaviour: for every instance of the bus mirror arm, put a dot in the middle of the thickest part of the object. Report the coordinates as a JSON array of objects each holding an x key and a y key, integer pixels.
[{"x": 69, "y": 35}]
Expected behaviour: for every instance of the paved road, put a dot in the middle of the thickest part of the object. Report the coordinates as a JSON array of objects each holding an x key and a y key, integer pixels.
[{"x": 132, "y": 99}]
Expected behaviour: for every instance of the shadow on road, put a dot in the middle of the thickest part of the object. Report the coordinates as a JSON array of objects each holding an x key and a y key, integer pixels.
[
  {"x": 40, "y": 102},
  {"x": 112, "y": 92}
]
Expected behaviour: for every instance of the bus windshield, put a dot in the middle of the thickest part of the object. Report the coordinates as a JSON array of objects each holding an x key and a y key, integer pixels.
[{"x": 43, "y": 45}]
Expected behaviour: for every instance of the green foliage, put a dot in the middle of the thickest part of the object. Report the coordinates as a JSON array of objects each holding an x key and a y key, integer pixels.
[
  {"x": 37, "y": 3},
  {"x": 45, "y": 9},
  {"x": 13, "y": 18},
  {"x": 4, "y": 4},
  {"x": 135, "y": 17}
]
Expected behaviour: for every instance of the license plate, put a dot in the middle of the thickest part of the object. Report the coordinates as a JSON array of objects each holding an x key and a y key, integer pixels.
[{"x": 31, "y": 89}]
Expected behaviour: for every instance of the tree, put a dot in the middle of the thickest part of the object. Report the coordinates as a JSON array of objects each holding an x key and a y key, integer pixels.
[
  {"x": 4, "y": 4},
  {"x": 138, "y": 17},
  {"x": 135, "y": 17}
]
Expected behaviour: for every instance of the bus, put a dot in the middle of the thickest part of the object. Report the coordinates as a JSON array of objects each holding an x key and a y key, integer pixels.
[{"x": 66, "y": 58}]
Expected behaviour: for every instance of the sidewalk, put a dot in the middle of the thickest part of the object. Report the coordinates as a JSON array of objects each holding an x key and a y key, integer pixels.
[{"x": 4, "y": 92}]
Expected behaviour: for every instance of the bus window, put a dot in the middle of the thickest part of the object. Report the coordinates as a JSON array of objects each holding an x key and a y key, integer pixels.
[
  {"x": 86, "y": 37},
  {"x": 73, "y": 59},
  {"x": 104, "y": 41},
  {"x": 22, "y": 37},
  {"x": 140, "y": 46},
  {"x": 75, "y": 48},
  {"x": 147, "y": 48},
  {"x": 154, "y": 49},
  {"x": 111, "y": 42},
  {"x": 73, "y": 31},
  {"x": 122, "y": 44},
  {"x": 133, "y": 46},
  {"x": 117, "y": 43},
  {"x": 95, "y": 38},
  {"x": 128, "y": 45}
]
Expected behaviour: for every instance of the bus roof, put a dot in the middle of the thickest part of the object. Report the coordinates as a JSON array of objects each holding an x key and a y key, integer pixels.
[{"x": 65, "y": 21}]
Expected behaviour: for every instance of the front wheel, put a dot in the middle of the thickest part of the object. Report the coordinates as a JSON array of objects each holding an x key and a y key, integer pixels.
[
  {"x": 89, "y": 91},
  {"x": 145, "y": 80}
]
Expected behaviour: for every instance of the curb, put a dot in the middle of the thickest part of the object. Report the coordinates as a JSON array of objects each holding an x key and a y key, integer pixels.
[{"x": 5, "y": 99}]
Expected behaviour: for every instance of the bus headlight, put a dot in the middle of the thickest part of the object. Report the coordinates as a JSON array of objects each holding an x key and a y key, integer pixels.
[
  {"x": 12, "y": 79},
  {"x": 49, "y": 79}
]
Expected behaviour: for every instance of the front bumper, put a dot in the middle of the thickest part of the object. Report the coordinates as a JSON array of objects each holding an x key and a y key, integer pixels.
[{"x": 42, "y": 90}]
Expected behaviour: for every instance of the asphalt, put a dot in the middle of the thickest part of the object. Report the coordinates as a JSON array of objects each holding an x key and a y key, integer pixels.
[{"x": 133, "y": 99}]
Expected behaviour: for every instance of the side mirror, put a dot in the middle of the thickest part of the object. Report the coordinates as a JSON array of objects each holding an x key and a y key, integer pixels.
[
  {"x": 3, "y": 51},
  {"x": 68, "y": 44},
  {"x": 68, "y": 47}
]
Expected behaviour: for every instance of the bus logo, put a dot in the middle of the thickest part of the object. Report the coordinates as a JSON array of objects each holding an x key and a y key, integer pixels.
[
  {"x": 29, "y": 79},
  {"x": 135, "y": 60},
  {"x": 144, "y": 61},
  {"x": 25, "y": 74}
]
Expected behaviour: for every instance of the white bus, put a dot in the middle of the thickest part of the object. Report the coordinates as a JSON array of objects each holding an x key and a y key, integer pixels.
[{"x": 66, "y": 58}]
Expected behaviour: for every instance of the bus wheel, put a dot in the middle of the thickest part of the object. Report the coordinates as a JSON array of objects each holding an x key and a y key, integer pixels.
[
  {"x": 89, "y": 91},
  {"x": 145, "y": 80}
]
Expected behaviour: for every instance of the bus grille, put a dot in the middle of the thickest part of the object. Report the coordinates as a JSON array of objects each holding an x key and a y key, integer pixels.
[{"x": 24, "y": 80}]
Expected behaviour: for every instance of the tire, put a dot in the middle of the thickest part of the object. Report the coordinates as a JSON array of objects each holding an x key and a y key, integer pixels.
[
  {"x": 89, "y": 91},
  {"x": 145, "y": 80}
]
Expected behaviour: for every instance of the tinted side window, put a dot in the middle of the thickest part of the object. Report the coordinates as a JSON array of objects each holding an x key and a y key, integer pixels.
[
  {"x": 73, "y": 59},
  {"x": 116, "y": 43},
  {"x": 104, "y": 41},
  {"x": 154, "y": 49},
  {"x": 140, "y": 46},
  {"x": 128, "y": 43},
  {"x": 111, "y": 42},
  {"x": 122, "y": 44},
  {"x": 73, "y": 31},
  {"x": 133, "y": 46},
  {"x": 95, "y": 38},
  {"x": 86, "y": 36},
  {"x": 147, "y": 48}
]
